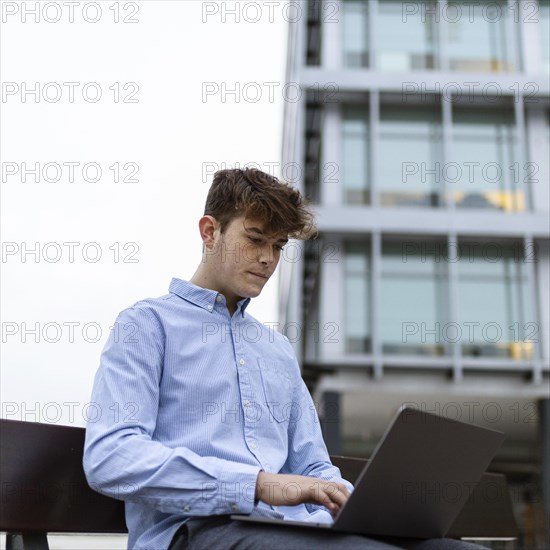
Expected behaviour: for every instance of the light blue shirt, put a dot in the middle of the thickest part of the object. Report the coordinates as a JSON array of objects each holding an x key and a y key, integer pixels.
[{"x": 189, "y": 405}]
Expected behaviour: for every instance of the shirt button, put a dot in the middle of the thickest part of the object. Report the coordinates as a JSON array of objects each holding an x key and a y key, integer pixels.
[
  {"x": 186, "y": 509},
  {"x": 241, "y": 361},
  {"x": 218, "y": 298},
  {"x": 210, "y": 307},
  {"x": 246, "y": 403},
  {"x": 234, "y": 507},
  {"x": 252, "y": 445}
]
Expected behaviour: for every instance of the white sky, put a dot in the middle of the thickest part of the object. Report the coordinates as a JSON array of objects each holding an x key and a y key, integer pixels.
[{"x": 172, "y": 130}]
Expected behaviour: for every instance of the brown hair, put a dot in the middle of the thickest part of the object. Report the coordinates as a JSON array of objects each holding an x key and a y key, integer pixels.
[{"x": 255, "y": 194}]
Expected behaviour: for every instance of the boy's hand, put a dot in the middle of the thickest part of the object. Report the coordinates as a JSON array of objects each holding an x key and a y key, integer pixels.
[{"x": 290, "y": 490}]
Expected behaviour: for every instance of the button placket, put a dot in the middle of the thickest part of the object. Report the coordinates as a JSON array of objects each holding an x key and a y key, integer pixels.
[
  {"x": 246, "y": 400},
  {"x": 250, "y": 431}
]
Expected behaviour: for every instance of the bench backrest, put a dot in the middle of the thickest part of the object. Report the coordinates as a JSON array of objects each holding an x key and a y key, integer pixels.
[
  {"x": 43, "y": 484},
  {"x": 44, "y": 488}
]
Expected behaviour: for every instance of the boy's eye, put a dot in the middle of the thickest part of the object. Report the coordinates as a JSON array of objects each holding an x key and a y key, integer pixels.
[{"x": 259, "y": 241}]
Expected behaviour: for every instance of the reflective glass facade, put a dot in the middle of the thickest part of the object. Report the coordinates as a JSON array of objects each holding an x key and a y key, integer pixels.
[
  {"x": 355, "y": 26},
  {"x": 355, "y": 155},
  {"x": 410, "y": 146},
  {"x": 482, "y": 168},
  {"x": 544, "y": 29},
  {"x": 357, "y": 299},
  {"x": 484, "y": 153},
  {"x": 413, "y": 296},
  {"x": 428, "y": 165},
  {"x": 390, "y": 35},
  {"x": 481, "y": 36},
  {"x": 494, "y": 317},
  {"x": 494, "y": 313},
  {"x": 405, "y": 36}
]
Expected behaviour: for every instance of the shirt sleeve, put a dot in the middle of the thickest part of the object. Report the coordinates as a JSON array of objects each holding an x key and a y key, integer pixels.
[
  {"x": 307, "y": 454},
  {"x": 123, "y": 460}
]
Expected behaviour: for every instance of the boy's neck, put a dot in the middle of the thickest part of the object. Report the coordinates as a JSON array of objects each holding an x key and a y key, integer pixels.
[{"x": 200, "y": 278}]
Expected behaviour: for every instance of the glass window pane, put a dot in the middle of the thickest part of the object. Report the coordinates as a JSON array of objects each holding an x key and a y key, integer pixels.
[
  {"x": 544, "y": 30},
  {"x": 355, "y": 33},
  {"x": 410, "y": 152},
  {"x": 355, "y": 154},
  {"x": 412, "y": 301},
  {"x": 484, "y": 258},
  {"x": 405, "y": 37},
  {"x": 356, "y": 307},
  {"x": 414, "y": 257},
  {"x": 478, "y": 39},
  {"x": 483, "y": 171},
  {"x": 355, "y": 162},
  {"x": 406, "y": 306},
  {"x": 356, "y": 261},
  {"x": 357, "y": 299},
  {"x": 493, "y": 304}
]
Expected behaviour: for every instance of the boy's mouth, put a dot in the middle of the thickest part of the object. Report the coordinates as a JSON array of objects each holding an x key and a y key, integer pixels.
[{"x": 258, "y": 275}]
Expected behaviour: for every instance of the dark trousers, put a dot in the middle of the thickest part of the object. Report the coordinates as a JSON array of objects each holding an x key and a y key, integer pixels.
[{"x": 222, "y": 533}]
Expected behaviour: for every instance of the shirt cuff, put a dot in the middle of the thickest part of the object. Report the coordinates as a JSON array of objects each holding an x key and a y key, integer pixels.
[
  {"x": 256, "y": 499},
  {"x": 238, "y": 489}
]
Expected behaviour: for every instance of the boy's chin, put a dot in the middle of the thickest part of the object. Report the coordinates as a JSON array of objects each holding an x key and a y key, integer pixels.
[{"x": 252, "y": 292}]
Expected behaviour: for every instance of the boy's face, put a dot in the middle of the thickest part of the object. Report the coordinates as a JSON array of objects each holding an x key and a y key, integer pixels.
[{"x": 245, "y": 258}]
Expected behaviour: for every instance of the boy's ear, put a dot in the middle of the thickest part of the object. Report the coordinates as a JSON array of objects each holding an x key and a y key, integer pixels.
[{"x": 209, "y": 229}]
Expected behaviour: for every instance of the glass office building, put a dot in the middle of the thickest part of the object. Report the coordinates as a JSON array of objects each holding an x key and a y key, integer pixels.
[{"x": 423, "y": 138}]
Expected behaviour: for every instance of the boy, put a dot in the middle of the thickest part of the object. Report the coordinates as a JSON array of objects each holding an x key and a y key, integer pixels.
[{"x": 204, "y": 412}]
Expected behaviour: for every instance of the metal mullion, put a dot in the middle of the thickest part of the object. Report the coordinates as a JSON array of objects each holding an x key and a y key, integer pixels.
[
  {"x": 521, "y": 147},
  {"x": 513, "y": 29},
  {"x": 456, "y": 347},
  {"x": 442, "y": 36},
  {"x": 374, "y": 125},
  {"x": 376, "y": 264},
  {"x": 528, "y": 245},
  {"x": 372, "y": 15},
  {"x": 447, "y": 123}
]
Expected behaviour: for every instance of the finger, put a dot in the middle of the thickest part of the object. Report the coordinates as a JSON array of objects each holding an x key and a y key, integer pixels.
[
  {"x": 327, "y": 499},
  {"x": 332, "y": 506},
  {"x": 342, "y": 495},
  {"x": 337, "y": 493},
  {"x": 328, "y": 494}
]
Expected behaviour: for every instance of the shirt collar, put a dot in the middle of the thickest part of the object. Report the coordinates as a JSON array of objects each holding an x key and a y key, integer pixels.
[{"x": 202, "y": 297}]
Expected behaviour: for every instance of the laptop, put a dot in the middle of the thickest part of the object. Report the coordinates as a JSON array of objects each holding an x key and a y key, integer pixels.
[{"x": 419, "y": 477}]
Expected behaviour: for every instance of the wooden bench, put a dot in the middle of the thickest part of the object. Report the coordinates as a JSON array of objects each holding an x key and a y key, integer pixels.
[{"x": 44, "y": 490}]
